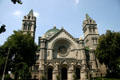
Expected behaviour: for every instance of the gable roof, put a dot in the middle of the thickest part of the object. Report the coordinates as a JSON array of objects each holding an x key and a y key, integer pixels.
[{"x": 62, "y": 30}]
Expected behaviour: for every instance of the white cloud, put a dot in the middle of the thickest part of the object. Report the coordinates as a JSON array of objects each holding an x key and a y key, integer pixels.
[
  {"x": 36, "y": 14},
  {"x": 76, "y": 2},
  {"x": 17, "y": 13}
]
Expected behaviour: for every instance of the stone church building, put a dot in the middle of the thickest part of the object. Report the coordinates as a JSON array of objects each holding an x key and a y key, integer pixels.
[{"x": 62, "y": 56}]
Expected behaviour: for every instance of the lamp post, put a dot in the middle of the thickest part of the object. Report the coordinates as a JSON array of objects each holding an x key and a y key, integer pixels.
[{"x": 3, "y": 76}]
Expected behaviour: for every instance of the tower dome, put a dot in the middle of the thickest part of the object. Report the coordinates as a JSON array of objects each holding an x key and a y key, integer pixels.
[{"x": 51, "y": 32}]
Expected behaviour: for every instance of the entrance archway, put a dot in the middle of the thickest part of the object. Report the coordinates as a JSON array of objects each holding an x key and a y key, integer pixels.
[
  {"x": 49, "y": 73},
  {"x": 64, "y": 73},
  {"x": 77, "y": 73}
]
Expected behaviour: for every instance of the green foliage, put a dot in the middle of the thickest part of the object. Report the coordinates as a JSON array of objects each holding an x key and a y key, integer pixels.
[
  {"x": 108, "y": 52},
  {"x": 74, "y": 77},
  {"x": 22, "y": 47},
  {"x": 18, "y": 1},
  {"x": 43, "y": 77},
  {"x": 21, "y": 70},
  {"x": 2, "y": 28},
  {"x": 7, "y": 77},
  {"x": 2, "y": 61},
  {"x": 22, "y": 54},
  {"x": 1, "y": 65},
  {"x": 87, "y": 48},
  {"x": 58, "y": 77}
]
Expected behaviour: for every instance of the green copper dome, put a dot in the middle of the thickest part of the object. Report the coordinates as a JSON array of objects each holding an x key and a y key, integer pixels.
[{"x": 51, "y": 32}]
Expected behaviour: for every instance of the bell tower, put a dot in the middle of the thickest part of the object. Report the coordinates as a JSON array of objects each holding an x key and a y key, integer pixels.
[
  {"x": 90, "y": 32},
  {"x": 91, "y": 40},
  {"x": 29, "y": 24}
]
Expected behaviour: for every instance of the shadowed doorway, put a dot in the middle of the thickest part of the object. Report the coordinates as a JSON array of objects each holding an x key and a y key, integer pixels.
[
  {"x": 64, "y": 73},
  {"x": 50, "y": 71},
  {"x": 77, "y": 73}
]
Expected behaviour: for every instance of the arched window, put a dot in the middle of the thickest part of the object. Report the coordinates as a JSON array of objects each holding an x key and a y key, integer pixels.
[
  {"x": 25, "y": 26},
  {"x": 29, "y": 25}
]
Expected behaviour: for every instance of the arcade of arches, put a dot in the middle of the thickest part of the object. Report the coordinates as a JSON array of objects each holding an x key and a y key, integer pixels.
[{"x": 63, "y": 72}]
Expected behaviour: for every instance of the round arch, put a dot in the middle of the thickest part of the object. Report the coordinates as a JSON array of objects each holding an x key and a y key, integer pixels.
[
  {"x": 61, "y": 47},
  {"x": 64, "y": 72},
  {"x": 65, "y": 39}
]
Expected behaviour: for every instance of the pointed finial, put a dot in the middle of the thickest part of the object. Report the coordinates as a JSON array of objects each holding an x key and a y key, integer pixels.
[
  {"x": 30, "y": 13},
  {"x": 87, "y": 16},
  {"x": 81, "y": 37},
  {"x": 54, "y": 26}
]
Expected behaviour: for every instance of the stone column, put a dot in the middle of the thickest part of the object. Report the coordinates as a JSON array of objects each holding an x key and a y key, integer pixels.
[
  {"x": 41, "y": 71},
  {"x": 41, "y": 74},
  {"x": 55, "y": 72},
  {"x": 92, "y": 59},
  {"x": 70, "y": 72},
  {"x": 42, "y": 58},
  {"x": 42, "y": 48},
  {"x": 93, "y": 63},
  {"x": 83, "y": 73}
]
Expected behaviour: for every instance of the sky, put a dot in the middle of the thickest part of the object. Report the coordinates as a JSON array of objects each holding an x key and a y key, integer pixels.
[{"x": 60, "y": 13}]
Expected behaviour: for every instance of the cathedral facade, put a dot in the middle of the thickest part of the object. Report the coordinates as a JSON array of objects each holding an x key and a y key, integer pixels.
[{"x": 63, "y": 57}]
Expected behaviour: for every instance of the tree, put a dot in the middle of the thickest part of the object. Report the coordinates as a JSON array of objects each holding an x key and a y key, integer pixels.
[
  {"x": 18, "y": 1},
  {"x": 108, "y": 52},
  {"x": 2, "y": 61},
  {"x": 2, "y": 28},
  {"x": 1, "y": 65},
  {"x": 22, "y": 54},
  {"x": 22, "y": 70}
]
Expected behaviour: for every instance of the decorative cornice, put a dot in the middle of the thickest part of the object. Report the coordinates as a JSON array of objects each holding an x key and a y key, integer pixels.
[{"x": 90, "y": 34}]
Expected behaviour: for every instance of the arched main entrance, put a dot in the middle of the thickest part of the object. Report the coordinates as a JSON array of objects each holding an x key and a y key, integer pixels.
[
  {"x": 64, "y": 73},
  {"x": 49, "y": 73}
]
